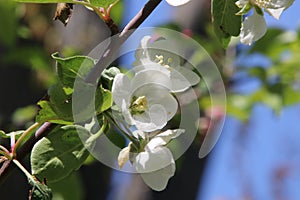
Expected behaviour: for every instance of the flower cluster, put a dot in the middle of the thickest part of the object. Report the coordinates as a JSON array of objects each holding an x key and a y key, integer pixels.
[
  {"x": 254, "y": 26},
  {"x": 146, "y": 103}
]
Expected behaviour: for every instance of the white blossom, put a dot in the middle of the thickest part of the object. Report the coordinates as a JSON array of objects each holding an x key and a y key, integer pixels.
[
  {"x": 145, "y": 101},
  {"x": 177, "y": 2},
  {"x": 254, "y": 27},
  {"x": 155, "y": 162},
  {"x": 181, "y": 78}
]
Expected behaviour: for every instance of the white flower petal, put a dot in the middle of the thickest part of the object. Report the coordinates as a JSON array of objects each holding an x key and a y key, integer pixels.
[
  {"x": 275, "y": 4},
  {"x": 120, "y": 89},
  {"x": 153, "y": 120},
  {"x": 177, "y": 2},
  {"x": 275, "y": 12},
  {"x": 150, "y": 77},
  {"x": 138, "y": 133},
  {"x": 163, "y": 138},
  {"x": 126, "y": 114},
  {"x": 150, "y": 161},
  {"x": 182, "y": 79},
  {"x": 159, "y": 95},
  {"x": 158, "y": 116},
  {"x": 253, "y": 28},
  {"x": 158, "y": 180},
  {"x": 144, "y": 42},
  {"x": 241, "y": 3}
]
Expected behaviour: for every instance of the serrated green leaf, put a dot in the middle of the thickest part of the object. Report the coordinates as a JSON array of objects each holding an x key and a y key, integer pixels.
[
  {"x": 103, "y": 3},
  {"x": 226, "y": 22},
  {"x": 61, "y": 152}
]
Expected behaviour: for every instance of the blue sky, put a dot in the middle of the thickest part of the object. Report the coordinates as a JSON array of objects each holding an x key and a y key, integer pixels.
[{"x": 247, "y": 157}]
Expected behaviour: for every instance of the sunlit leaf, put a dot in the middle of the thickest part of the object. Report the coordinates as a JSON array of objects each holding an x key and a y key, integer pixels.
[
  {"x": 69, "y": 69},
  {"x": 58, "y": 109},
  {"x": 45, "y": 1},
  {"x": 103, "y": 3},
  {"x": 61, "y": 152}
]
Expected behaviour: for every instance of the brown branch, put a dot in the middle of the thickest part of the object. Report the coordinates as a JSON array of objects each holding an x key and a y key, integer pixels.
[
  {"x": 7, "y": 167},
  {"x": 116, "y": 43}
]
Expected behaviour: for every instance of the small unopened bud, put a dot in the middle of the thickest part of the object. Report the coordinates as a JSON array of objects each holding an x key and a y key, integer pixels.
[{"x": 123, "y": 156}]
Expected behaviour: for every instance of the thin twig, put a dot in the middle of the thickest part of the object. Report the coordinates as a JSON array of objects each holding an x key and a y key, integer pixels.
[
  {"x": 24, "y": 150},
  {"x": 117, "y": 42},
  {"x": 24, "y": 135}
]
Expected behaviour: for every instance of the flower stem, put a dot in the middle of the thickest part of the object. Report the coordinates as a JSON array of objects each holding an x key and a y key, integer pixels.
[
  {"x": 99, "y": 133},
  {"x": 29, "y": 176},
  {"x": 127, "y": 135},
  {"x": 29, "y": 131},
  {"x": 5, "y": 152}
]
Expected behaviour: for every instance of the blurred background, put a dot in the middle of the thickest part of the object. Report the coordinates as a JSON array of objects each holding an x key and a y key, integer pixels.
[{"x": 258, "y": 154}]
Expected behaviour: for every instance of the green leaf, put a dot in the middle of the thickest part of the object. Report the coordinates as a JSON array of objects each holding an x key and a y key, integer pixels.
[
  {"x": 103, "y": 3},
  {"x": 266, "y": 47},
  {"x": 8, "y": 19},
  {"x": 239, "y": 106},
  {"x": 69, "y": 69},
  {"x": 226, "y": 22},
  {"x": 58, "y": 109},
  {"x": 3, "y": 135},
  {"x": 61, "y": 152},
  {"x": 89, "y": 101},
  {"x": 258, "y": 72},
  {"x": 39, "y": 191},
  {"x": 45, "y": 1},
  {"x": 291, "y": 96},
  {"x": 108, "y": 76},
  {"x": 62, "y": 109},
  {"x": 269, "y": 96},
  {"x": 245, "y": 9},
  {"x": 103, "y": 100}
]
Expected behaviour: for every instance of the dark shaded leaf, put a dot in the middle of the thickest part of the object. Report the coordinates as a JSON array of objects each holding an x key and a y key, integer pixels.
[{"x": 225, "y": 21}]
